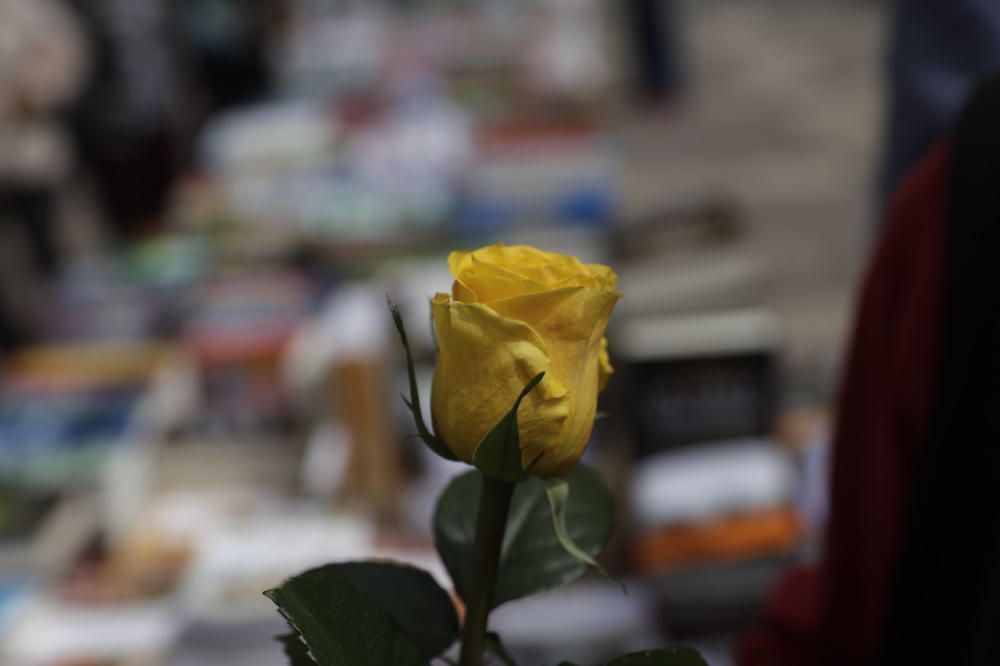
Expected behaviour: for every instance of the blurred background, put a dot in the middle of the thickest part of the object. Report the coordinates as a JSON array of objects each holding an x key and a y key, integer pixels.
[{"x": 204, "y": 202}]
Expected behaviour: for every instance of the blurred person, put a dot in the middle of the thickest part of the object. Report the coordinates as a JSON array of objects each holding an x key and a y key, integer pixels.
[
  {"x": 163, "y": 66},
  {"x": 947, "y": 582},
  {"x": 938, "y": 52},
  {"x": 910, "y": 572},
  {"x": 833, "y": 612},
  {"x": 42, "y": 62},
  {"x": 226, "y": 45},
  {"x": 651, "y": 31},
  {"x": 126, "y": 119}
]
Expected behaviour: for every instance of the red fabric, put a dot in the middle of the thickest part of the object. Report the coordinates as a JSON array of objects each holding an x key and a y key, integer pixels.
[{"x": 835, "y": 613}]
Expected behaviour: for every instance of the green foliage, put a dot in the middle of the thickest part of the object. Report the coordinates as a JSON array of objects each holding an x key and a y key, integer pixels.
[
  {"x": 368, "y": 614},
  {"x": 532, "y": 559},
  {"x": 295, "y": 649},
  {"x": 558, "y": 494},
  {"x": 384, "y": 614}
]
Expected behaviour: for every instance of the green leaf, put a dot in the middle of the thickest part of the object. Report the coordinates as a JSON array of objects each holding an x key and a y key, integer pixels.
[
  {"x": 662, "y": 657},
  {"x": 368, "y": 614},
  {"x": 495, "y": 647},
  {"x": 532, "y": 559},
  {"x": 558, "y": 489},
  {"x": 342, "y": 626},
  {"x": 295, "y": 649},
  {"x": 432, "y": 442},
  {"x": 498, "y": 454},
  {"x": 418, "y": 605}
]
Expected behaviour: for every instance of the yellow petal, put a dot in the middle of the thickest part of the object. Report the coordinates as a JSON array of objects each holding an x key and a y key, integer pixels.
[
  {"x": 546, "y": 268},
  {"x": 462, "y": 293},
  {"x": 604, "y": 275},
  {"x": 571, "y": 323},
  {"x": 479, "y": 281},
  {"x": 483, "y": 363},
  {"x": 492, "y": 282},
  {"x": 497, "y": 271},
  {"x": 459, "y": 261},
  {"x": 554, "y": 311}
]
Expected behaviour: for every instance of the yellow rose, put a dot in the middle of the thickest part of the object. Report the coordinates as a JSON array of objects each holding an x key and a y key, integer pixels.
[{"x": 514, "y": 312}]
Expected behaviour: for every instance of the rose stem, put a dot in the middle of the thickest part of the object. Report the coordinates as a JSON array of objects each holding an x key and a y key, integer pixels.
[{"x": 494, "y": 504}]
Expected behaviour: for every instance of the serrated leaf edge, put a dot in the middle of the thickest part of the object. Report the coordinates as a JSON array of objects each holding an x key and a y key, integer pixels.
[
  {"x": 291, "y": 623},
  {"x": 270, "y": 595},
  {"x": 294, "y": 634}
]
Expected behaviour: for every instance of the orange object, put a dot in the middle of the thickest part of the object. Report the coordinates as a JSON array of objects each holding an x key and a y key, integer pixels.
[{"x": 735, "y": 536}]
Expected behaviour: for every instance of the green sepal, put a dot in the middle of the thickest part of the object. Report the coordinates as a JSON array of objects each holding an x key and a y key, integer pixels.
[
  {"x": 498, "y": 454},
  {"x": 432, "y": 442},
  {"x": 532, "y": 560},
  {"x": 663, "y": 657},
  {"x": 368, "y": 614},
  {"x": 558, "y": 491}
]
